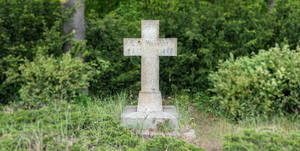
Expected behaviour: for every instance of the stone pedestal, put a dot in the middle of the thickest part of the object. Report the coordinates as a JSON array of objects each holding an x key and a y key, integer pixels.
[
  {"x": 150, "y": 102},
  {"x": 149, "y": 120}
]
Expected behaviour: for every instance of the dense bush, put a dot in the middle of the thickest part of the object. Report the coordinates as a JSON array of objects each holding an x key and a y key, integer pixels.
[
  {"x": 102, "y": 7},
  {"x": 264, "y": 84},
  {"x": 206, "y": 34},
  {"x": 262, "y": 141},
  {"x": 25, "y": 27},
  {"x": 167, "y": 143},
  {"x": 47, "y": 79}
]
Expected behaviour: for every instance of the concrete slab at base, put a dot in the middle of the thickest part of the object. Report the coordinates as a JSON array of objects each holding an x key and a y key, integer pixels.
[
  {"x": 149, "y": 120},
  {"x": 150, "y": 134}
]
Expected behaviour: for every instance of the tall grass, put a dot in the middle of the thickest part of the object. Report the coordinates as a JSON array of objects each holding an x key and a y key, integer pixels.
[
  {"x": 89, "y": 123},
  {"x": 93, "y": 123},
  {"x": 65, "y": 126}
]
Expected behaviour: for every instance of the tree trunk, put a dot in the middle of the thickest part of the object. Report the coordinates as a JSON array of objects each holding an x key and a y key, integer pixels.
[
  {"x": 271, "y": 4},
  {"x": 76, "y": 24},
  {"x": 214, "y": 2}
]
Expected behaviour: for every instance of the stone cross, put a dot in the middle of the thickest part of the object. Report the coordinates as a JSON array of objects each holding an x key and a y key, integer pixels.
[{"x": 150, "y": 47}]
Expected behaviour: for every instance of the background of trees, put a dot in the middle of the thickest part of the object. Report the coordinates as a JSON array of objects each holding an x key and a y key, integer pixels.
[{"x": 207, "y": 31}]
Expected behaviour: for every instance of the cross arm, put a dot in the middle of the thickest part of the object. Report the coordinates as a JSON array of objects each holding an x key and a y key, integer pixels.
[
  {"x": 132, "y": 46},
  {"x": 168, "y": 47}
]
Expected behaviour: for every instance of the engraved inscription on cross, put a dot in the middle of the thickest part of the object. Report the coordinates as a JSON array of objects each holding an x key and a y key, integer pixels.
[{"x": 150, "y": 47}]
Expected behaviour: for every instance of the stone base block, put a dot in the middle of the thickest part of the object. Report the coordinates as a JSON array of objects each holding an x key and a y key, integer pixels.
[
  {"x": 149, "y": 102},
  {"x": 149, "y": 120}
]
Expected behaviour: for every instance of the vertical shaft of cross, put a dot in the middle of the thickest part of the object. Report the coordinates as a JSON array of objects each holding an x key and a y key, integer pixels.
[
  {"x": 150, "y": 97},
  {"x": 150, "y": 73}
]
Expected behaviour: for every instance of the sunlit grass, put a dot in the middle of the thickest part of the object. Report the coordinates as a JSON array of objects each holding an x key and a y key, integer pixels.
[{"x": 75, "y": 125}]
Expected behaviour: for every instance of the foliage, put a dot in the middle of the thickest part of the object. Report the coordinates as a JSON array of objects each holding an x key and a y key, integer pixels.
[
  {"x": 165, "y": 126},
  {"x": 203, "y": 102},
  {"x": 102, "y": 7},
  {"x": 62, "y": 127},
  {"x": 26, "y": 26},
  {"x": 264, "y": 84},
  {"x": 167, "y": 143},
  {"x": 206, "y": 34},
  {"x": 251, "y": 140},
  {"x": 47, "y": 79},
  {"x": 66, "y": 126}
]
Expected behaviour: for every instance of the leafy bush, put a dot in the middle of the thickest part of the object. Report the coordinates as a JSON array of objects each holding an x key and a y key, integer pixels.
[
  {"x": 115, "y": 135},
  {"x": 47, "y": 79},
  {"x": 264, "y": 84},
  {"x": 251, "y": 140},
  {"x": 167, "y": 143},
  {"x": 206, "y": 34},
  {"x": 102, "y": 7},
  {"x": 27, "y": 25}
]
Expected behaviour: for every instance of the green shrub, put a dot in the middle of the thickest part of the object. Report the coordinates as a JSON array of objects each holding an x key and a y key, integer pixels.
[
  {"x": 251, "y": 140},
  {"x": 206, "y": 34},
  {"x": 47, "y": 79},
  {"x": 102, "y": 7},
  {"x": 167, "y": 143},
  {"x": 111, "y": 133},
  {"x": 264, "y": 84},
  {"x": 25, "y": 26}
]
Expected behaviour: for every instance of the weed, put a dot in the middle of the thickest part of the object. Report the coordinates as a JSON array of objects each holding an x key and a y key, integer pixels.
[{"x": 165, "y": 126}]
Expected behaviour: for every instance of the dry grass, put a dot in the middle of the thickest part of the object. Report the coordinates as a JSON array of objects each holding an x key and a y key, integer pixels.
[{"x": 210, "y": 130}]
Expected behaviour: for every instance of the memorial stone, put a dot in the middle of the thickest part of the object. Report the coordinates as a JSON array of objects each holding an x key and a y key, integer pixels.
[{"x": 149, "y": 112}]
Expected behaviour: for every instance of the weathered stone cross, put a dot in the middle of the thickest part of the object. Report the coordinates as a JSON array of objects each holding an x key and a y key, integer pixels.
[{"x": 150, "y": 47}]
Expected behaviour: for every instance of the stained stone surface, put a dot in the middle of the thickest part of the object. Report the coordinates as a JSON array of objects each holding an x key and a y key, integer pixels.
[
  {"x": 149, "y": 47},
  {"x": 149, "y": 120},
  {"x": 190, "y": 135}
]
